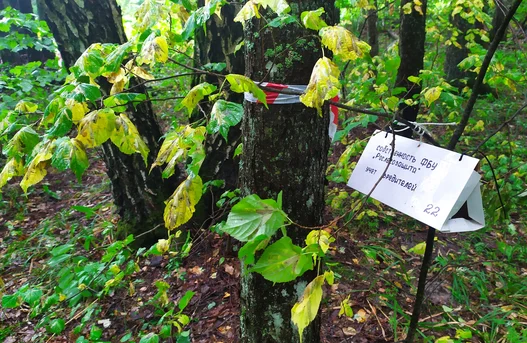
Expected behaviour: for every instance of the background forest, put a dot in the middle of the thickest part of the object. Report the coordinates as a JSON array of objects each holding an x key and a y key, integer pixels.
[{"x": 155, "y": 188}]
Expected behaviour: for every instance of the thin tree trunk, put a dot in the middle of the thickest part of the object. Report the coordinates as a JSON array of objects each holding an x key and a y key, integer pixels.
[
  {"x": 373, "y": 33},
  {"x": 216, "y": 44},
  {"x": 138, "y": 194},
  {"x": 284, "y": 149},
  {"x": 412, "y": 35}
]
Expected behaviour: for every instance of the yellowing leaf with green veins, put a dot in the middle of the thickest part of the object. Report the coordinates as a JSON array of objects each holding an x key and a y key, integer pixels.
[
  {"x": 26, "y": 107},
  {"x": 278, "y": 6},
  {"x": 12, "y": 168},
  {"x": 140, "y": 72},
  {"x": 432, "y": 94},
  {"x": 304, "y": 311},
  {"x": 345, "y": 308},
  {"x": 241, "y": 84},
  {"x": 78, "y": 110},
  {"x": 312, "y": 20},
  {"x": 343, "y": 43},
  {"x": 323, "y": 85},
  {"x": 418, "y": 249},
  {"x": 178, "y": 145},
  {"x": 196, "y": 94},
  {"x": 180, "y": 206},
  {"x": 37, "y": 168},
  {"x": 320, "y": 237},
  {"x": 22, "y": 142},
  {"x": 126, "y": 137},
  {"x": 161, "y": 49},
  {"x": 153, "y": 49},
  {"x": 96, "y": 127}
]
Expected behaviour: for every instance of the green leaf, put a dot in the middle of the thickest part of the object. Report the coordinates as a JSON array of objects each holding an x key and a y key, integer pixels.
[
  {"x": 79, "y": 160},
  {"x": 246, "y": 253},
  {"x": 126, "y": 137},
  {"x": 22, "y": 142},
  {"x": 312, "y": 20},
  {"x": 150, "y": 338},
  {"x": 323, "y": 85},
  {"x": 10, "y": 301},
  {"x": 196, "y": 94},
  {"x": 56, "y": 326},
  {"x": 283, "y": 261},
  {"x": 343, "y": 43},
  {"x": 239, "y": 150},
  {"x": 115, "y": 101},
  {"x": 252, "y": 217},
  {"x": 91, "y": 61},
  {"x": 224, "y": 114},
  {"x": 32, "y": 296},
  {"x": 95, "y": 332},
  {"x": 88, "y": 91},
  {"x": 304, "y": 311},
  {"x": 242, "y": 84},
  {"x": 185, "y": 299},
  {"x": 63, "y": 123},
  {"x": 113, "y": 61},
  {"x": 96, "y": 128},
  {"x": 345, "y": 308},
  {"x": 181, "y": 205}
]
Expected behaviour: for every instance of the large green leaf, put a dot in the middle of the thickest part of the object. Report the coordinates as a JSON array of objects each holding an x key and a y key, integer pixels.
[
  {"x": 114, "y": 59},
  {"x": 89, "y": 92},
  {"x": 22, "y": 142},
  {"x": 312, "y": 20},
  {"x": 252, "y": 217},
  {"x": 224, "y": 114},
  {"x": 62, "y": 124},
  {"x": 304, "y": 311},
  {"x": 70, "y": 153},
  {"x": 32, "y": 296},
  {"x": 91, "y": 61},
  {"x": 283, "y": 261},
  {"x": 181, "y": 205},
  {"x": 118, "y": 101},
  {"x": 126, "y": 137},
  {"x": 247, "y": 252}
]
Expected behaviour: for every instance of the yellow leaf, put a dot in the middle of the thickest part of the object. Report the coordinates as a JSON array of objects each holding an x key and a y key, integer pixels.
[
  {"x": 407, "y": 8},
  {"x": 304, "y": 311},
  {"x": 96, "y": 127},
  {"x": 330, "y": 277},
  {"x": 161, "y": 49},
  {"x": 162, "y": 245},
  {"x": 418, "y": 249},
  {"x": 126, "y": 137},
  {"x": 323, "y": 85},
  {"x": 26, "y": 107},
  {"x": 12, "y": 168},
  {"x": 116, "y": 76},
  {"x": 320, "y": 237},
  {"x": 196, "y": 94},
  {"x": 345, "y": 308},
  {"x": 278, "y": 6},
  {"x": 180, "y": 206},
  {"x": 312, "y": 20},
  {"x": 343, "y": 43},
  {"x": 140, "y": 72},
  {"x": 78, "y": 110},
  {"x": 248, "y": 11},
  {"x": 432, "y": 94},
  {"x": 118, "y": 87},
  {"x": 37, "y": 168}
]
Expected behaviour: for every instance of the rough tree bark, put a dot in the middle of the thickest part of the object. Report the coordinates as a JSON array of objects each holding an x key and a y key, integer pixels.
[
  {"x": 138, "y": 194},
  {"x": 412, "y": 35},
  {"x": 373, "y": 32},
  {"x": 284, "y": 149},
  {"x": 216, "y": 44}
]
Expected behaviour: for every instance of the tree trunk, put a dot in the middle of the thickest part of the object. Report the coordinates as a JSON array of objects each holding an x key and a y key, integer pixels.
[
  {"x": 455, "y": 54},
  {"x": 284, "y": 149},
  {"x": 216, "y": 45},
  {"x": 412, "y": 33},
  {"x": 373, "y": 33},
  {"x": 138, "y": 194}
]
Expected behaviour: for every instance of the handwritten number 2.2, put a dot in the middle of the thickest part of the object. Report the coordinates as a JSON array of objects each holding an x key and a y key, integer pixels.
[{"x": 431, "y": 210}]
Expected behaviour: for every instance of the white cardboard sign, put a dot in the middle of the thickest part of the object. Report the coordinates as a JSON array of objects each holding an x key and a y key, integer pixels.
[{"x": 423, "y": 181}]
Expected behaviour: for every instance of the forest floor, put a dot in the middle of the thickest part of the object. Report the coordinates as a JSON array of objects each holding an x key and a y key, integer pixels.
[{"x": 375, "y": 274}]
